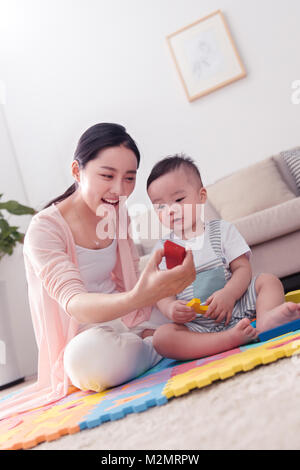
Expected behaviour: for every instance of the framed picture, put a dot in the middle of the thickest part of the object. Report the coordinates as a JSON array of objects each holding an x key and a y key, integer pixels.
[{"x": 205, "y": 56}]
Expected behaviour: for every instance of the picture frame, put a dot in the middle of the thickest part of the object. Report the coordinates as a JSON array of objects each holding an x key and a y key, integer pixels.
[{"x": 205, "y": 56}]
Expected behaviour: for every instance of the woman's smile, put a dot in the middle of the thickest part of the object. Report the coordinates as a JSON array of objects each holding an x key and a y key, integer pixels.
[{"x": 113, "y": 202}]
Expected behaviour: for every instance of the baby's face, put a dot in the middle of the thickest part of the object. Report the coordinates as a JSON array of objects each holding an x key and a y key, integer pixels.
[{"x": 178, "y": 199}]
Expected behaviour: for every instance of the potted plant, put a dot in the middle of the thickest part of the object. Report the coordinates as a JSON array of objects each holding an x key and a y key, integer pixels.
[
  {"x": 9, "y": 237},
  {"x": 9, "y": 234}
]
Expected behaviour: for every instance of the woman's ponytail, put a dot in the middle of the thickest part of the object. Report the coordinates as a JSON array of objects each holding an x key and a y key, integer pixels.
[{"x": 63, "y": 196}]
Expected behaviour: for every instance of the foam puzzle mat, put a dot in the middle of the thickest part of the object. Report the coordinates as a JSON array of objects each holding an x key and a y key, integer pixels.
[{"x": 168, "y": 379}]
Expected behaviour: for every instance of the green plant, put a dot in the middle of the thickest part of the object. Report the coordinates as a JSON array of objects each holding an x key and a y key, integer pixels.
[{"x": 10, "y": 235}]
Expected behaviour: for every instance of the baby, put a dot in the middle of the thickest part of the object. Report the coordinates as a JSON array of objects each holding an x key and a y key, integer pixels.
[{"x": 223, "y": 272}]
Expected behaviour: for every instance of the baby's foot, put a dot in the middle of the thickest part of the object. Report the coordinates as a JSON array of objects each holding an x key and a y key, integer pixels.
[
  {"x": 284, "y": 313},
  {"x": 241, "y": 333}
]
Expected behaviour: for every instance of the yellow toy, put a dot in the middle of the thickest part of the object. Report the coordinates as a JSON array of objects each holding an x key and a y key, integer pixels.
[
  {"x": 293, "y": 296},
  {"x": 196, "y": 305}
]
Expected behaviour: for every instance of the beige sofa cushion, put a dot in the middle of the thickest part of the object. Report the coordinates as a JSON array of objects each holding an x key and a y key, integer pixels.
[
  {"x": 277, "y": 256},
  {"x": 270, "y": 223},
  {"x": 249, "y": 190}
]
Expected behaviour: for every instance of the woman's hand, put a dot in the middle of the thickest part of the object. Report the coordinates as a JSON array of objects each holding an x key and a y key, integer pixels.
[
  {"x": 154, "y": 284},
  {"x": 221, "y": 304}
]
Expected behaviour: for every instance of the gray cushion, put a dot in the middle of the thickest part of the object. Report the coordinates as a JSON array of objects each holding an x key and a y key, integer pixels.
[
  {"x": 292, "y": 159},
  {"x": 286, "y": 173}
]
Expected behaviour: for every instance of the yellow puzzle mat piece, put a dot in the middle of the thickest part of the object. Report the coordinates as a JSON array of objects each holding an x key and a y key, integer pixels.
[
  {"x": 293, "y": 296},
  {"x": 231, "y": 363}
]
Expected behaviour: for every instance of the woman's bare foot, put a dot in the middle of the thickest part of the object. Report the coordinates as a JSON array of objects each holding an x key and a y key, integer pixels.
[
  {"x": 284, "y": 313},
  {"x": 241, "y": 333}
]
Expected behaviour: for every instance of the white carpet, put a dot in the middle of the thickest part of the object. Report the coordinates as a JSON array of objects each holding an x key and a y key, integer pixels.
[{"x": 258, "y": 409}]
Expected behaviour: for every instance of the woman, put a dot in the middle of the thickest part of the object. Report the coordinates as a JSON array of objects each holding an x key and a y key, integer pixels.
[{"x": 91, "y": 313}]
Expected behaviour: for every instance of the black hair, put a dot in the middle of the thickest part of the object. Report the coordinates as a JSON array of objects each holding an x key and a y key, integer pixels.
[
  {"x": 94, "y": 139},
  {"x": 171, "y": 163}
]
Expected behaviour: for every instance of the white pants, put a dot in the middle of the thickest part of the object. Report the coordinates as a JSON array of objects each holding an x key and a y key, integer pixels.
[{"x": 110, "y": 354}]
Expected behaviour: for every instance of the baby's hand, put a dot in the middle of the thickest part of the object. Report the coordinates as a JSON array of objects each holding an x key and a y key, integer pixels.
[
  {"x": 221, "y": 304},
  {"x": 180, "y": 313}
]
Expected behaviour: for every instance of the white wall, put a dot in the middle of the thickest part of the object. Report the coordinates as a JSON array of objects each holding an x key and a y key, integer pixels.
[
  {"x": 12, "y": 269},
  {"x": 68, "y": 64}
]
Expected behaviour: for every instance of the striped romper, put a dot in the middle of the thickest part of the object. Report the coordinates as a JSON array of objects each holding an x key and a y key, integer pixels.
[{"x": 212, "y": 276}]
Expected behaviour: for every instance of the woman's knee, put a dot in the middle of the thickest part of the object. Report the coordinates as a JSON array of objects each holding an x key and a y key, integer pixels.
[
  {"x": 80, "y": 359},
  {"x": 99, "y": 358}
]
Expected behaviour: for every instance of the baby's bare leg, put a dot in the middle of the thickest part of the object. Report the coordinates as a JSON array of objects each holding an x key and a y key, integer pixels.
[
  {"x": 178, "y": 342},
  {"x": 271, "y": 308},
  {"x": 270, "y": 293}
]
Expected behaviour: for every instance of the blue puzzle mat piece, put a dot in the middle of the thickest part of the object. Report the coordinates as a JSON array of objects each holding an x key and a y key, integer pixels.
[
  {"x": 289, "y": 327},
  {"x": 145, "y": 392},
  {"x": 279, "y": 330},
  {"x": 105, "y": 411}
]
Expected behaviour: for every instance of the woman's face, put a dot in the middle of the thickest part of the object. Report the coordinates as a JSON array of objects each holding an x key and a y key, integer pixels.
[{"x": 107, "y": 177}]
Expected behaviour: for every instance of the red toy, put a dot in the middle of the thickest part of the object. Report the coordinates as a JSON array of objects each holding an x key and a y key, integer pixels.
[{"x": 174, "y": 254}]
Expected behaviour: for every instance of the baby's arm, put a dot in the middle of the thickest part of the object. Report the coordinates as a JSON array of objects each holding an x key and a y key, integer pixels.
[
  {"x": 221, "y": 302},
  {"x": 164, "y": 305},
  {"x": 241, "y": 277},
  {"x": 237, "y": 252},
  {"x": 176, "y": 310}
]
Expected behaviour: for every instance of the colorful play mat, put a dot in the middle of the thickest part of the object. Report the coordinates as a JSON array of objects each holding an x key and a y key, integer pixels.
[{"x": 168, "y": 379}]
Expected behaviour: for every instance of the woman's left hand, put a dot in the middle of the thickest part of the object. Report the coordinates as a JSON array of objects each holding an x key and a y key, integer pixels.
[{"x": 221, "y": 304}]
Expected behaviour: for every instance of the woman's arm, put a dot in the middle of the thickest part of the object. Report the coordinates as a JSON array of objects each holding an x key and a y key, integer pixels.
[
  {"x": 45, "y": 251},
  {"x": 93, "y": 307},
  {"x": 152, "y": 286},
  {"x": 164, "y": 305}
]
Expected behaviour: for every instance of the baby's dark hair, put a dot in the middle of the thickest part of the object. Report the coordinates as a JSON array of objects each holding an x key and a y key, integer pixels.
[{"x": 171, "y": 163}]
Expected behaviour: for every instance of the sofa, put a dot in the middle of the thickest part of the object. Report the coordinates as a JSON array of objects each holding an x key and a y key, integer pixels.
[{"x": 263, "y": 202}]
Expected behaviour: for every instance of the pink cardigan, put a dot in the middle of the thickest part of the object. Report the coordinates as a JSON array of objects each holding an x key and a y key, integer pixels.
[{"x": 53, "y": 278}]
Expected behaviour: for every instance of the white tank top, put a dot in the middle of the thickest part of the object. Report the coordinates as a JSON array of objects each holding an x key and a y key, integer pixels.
[{"x": 95, "y": 267}]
